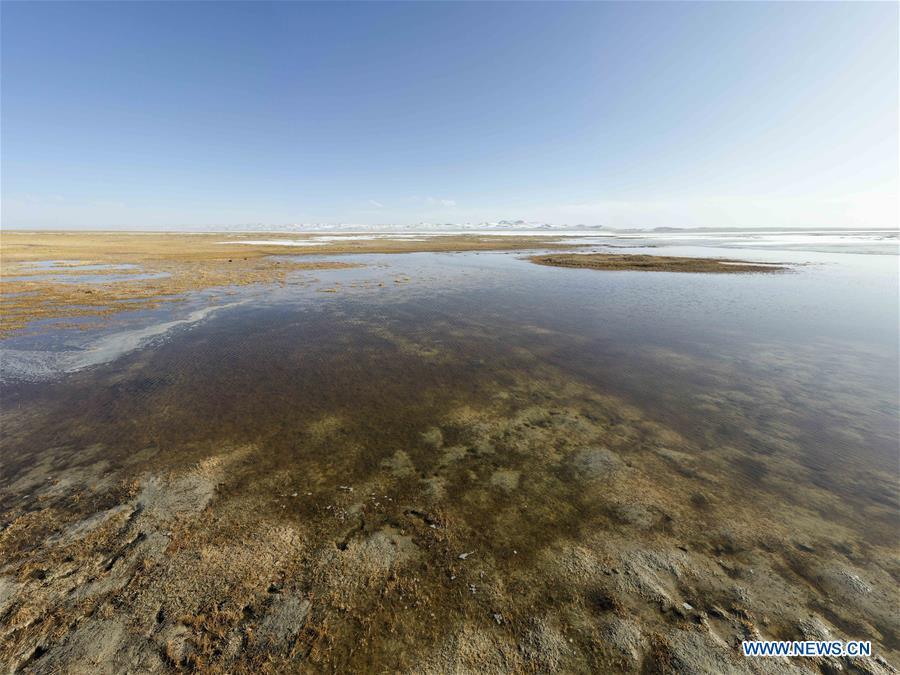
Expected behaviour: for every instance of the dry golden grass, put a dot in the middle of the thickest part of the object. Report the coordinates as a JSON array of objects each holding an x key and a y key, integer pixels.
[{"x": 190, "y": 262}]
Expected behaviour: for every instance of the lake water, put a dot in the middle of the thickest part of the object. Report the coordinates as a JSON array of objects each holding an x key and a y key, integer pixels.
[
  {"x": 776, "y": 391},
  {"x": 817, "y": 347}
]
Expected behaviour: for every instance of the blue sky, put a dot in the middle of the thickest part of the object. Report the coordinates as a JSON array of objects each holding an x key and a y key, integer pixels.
[{"x": 152, "y": 114}]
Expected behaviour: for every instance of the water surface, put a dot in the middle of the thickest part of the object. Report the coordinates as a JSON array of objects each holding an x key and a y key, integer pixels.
[{"x": 478, "y": 402}]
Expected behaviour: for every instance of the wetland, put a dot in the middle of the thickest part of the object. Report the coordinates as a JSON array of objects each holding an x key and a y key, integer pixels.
[{"x": 435, "y": 456}]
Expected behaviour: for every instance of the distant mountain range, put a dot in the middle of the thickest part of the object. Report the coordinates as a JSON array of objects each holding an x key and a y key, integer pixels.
[
  {"x": 496, "y": 226},
  {"x": 513, "y": 225}
]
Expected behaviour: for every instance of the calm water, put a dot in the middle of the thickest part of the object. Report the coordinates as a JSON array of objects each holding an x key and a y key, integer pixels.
[
  {"x": 808, "y": 357},
  {"x": 606, "y": 446}
]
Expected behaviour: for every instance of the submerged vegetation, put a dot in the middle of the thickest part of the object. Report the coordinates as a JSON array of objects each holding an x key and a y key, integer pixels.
[
  {"x": 451, "y": 465},
  {"x": 360, "y": 489}
]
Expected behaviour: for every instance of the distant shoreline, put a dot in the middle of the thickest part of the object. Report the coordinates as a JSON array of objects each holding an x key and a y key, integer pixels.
[{"x": 614, "y": 262}]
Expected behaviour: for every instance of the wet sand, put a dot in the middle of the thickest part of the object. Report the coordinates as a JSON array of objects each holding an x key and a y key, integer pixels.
[{"x": 465, "y": 480}]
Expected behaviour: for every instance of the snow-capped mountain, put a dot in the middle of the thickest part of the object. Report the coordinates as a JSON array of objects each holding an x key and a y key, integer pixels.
[{"x": 484, "y": 226}]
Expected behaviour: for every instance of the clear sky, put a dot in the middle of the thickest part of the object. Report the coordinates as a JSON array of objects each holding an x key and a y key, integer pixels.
[{"x": 154, "y": 114}]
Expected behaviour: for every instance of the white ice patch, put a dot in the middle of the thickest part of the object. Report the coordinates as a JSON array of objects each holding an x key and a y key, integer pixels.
[
  {"x": 322, "y": 240},
  {"x": 34, "y": 366},
  {"x": 275, "y": 242}
]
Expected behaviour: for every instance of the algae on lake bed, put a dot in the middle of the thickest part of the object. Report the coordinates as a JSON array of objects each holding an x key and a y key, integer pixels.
[{"x": 508, "y": 475}]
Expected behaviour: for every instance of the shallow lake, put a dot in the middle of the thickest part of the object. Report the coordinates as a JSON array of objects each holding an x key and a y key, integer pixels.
[{"x": 465, "y": 378}]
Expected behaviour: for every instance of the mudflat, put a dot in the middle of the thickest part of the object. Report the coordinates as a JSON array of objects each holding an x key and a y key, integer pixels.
[{"x": 654, "y": 263}]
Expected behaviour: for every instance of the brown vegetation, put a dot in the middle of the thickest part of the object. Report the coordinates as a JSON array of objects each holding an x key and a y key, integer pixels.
[
  {"x": 185, "y": 262},
  {"x": 652, "y": 263}
]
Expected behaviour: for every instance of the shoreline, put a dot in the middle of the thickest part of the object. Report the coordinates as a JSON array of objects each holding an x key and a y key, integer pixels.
[
  {"x": 165, "y": 267},
  {"x": 616, "y": 262}
]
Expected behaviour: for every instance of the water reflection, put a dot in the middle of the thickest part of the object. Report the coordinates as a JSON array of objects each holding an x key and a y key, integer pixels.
[{"x": 705, "y": 434}]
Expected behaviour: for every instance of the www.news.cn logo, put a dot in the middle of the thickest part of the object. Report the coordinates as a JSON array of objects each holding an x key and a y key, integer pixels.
[{"x": 806, "y": 648}]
